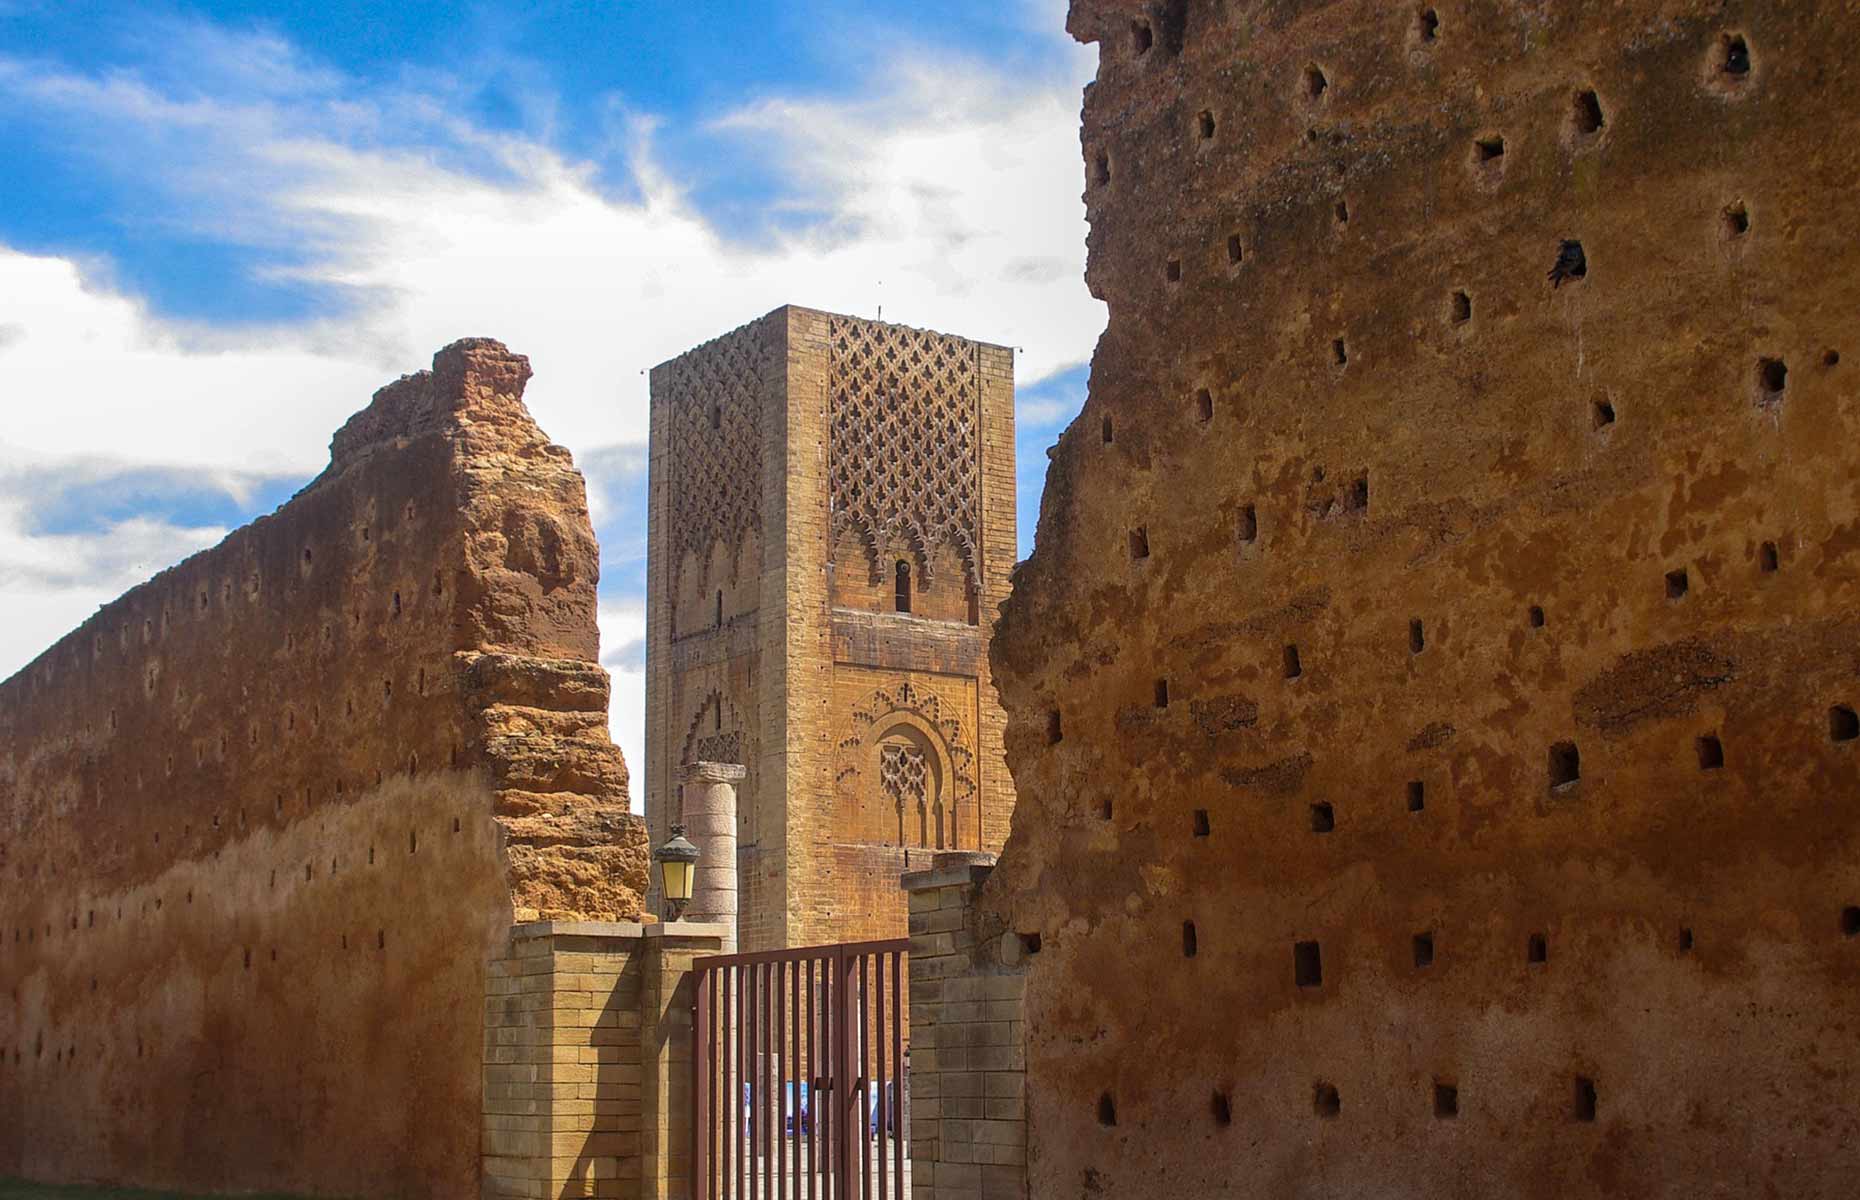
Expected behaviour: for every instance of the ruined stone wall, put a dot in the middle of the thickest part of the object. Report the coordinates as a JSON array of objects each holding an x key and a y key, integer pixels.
[
  {"x": 1432, "y": 696},
  {"x": 264, "y": 818},
  {"x": 797, "y": 462}
]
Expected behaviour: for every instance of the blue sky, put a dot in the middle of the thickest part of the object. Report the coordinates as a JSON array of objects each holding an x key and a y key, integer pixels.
[{"x": 226, "y": 224}]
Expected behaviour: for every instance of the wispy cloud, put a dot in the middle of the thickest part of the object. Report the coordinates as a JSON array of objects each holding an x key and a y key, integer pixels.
[
  {"x": 953, "y": 198},
  {"x": 623, "y": 638},
  {"x": 948, "y": 195}
]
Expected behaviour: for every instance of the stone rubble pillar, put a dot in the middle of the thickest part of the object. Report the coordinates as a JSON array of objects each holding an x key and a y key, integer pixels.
[{"x": 710, "y": 824}]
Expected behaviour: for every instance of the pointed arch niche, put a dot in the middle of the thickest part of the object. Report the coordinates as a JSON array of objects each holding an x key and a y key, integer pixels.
[
  {"x": 716, "y": 733},
  {"x": 906, "y": 774}
]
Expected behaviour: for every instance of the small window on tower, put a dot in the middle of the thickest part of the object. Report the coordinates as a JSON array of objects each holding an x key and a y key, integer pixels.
[
  {"x": 719, "y": 609},
  {"x": 904, "y": 586}
]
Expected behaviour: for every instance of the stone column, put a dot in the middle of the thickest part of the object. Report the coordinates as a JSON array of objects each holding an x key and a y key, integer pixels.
[
  {"x": 710, "y": 823},
  {"x": 968, "y": 1114}
]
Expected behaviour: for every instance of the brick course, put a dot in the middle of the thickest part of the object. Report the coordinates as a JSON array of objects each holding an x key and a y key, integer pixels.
[
  {"x": 968, "y": 1064},
  {"x": 587, "y": 1061}
]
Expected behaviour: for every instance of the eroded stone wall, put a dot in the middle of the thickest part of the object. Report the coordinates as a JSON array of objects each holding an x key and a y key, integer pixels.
[
  {"x": 264, "y": 819},
  {"x": 1431, "y": 699}
]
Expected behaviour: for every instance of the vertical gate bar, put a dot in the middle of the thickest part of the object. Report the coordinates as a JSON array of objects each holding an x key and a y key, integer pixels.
[
  {"x": 706, "y": 1054},
  {"x": 700, "y": 1020},
  {"x": 794, "y": 992},
  {"x": 748, "y": 1084},
  {"x": 770, "y": 1079},
  {"x": 771, "y": 1105},
  {"x": 817, "y": 1063},
  {"x": 751, "y": 1118},
  {"x": 719, "y": 1055},
  {"x": 782, "y": 1091},
  {"x": 865, "y": 1086},
  {"x": 739, "y": 1125},
  {"x": 752, "y": 1115},
  {"x": 776, "y": 1098},
  {"x": 900, "y": 1077},
  {"x": 720, "y": 1115},
  {"x": 733, "y": 1091},
  {"x": 836, "y": 1043},
  {"x": 751, "y": 1126},
  {"x": 844, "y": 1099},
  {"x": 718, "y": 1051},
  {"x": 829, "y": 1068},
  {"x": 878, "y": 1059},
  {"x": 813, "y": 1086},
  {"x": 726, "y": 1058},
  {"x": 747, "y": 1100}
]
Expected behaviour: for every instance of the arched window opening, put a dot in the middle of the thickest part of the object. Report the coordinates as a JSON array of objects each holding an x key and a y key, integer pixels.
[
  {"x": 719, "y": 609},
  {"x": 904, "y": 586},
  {"x": 912, "y": 794}
]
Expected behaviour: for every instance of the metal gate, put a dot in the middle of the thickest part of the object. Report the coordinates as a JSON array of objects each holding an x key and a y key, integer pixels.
[{"x": 801, "y": 1084}]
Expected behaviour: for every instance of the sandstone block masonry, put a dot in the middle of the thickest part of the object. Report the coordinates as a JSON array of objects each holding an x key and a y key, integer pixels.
[
  {"x": 587, "y": 1060},
  {"x": 1432, "y": 698},
  {"x": 968, "y": 1116},
  {"x": 265, "y": 819},
  {"x": 832, "y": 530}
]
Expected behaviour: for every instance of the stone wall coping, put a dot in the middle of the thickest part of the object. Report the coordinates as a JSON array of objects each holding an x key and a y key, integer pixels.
[
  {"x": 607, "y": 929},
  {"x": 712, "y": 772},
  {"x": 690, "y": 931},
  {"x": 622, "y": 930},
  {"x": 951, "y": 869}
]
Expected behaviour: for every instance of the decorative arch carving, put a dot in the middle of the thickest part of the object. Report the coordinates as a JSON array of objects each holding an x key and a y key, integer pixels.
[
  {"x": 902, "y": 443},
  {"x": 906, "y": 774},
  {"x": 715, "y": 733}
]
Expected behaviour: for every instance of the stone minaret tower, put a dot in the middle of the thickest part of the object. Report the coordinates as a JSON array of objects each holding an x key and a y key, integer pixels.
[{"x": 832, "y": 529}]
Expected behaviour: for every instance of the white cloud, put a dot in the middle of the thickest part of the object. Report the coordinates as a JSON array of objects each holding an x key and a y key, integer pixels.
[
  {"x": 953, "y": 201},
  {"x": 1032, "y": 414},
  {"x": 623, "y": 625},
  {"x": 94, "y": 375},
  {"x": 51, "y": 583}
]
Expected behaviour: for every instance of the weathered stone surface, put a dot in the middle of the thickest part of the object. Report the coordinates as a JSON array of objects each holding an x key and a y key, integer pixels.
[
  {"x": 1463, "y": 491},
  {"x": 264, "y": 819}
]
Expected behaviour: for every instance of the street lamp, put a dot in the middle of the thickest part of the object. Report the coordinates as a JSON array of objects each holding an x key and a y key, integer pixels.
[{"x": 677, "y": 861}]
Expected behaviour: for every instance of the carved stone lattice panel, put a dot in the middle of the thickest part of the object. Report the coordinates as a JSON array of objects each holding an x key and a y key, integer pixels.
[
  {"x": 902, "y": 443},
  {"x": 708, "y": 739},
  {"x": 904, "y": 780},
  {"x": 715, "y": 410},
  {"x": 927, "y": 707},
  {"x": 904, "y": 776},
  {"x": 720, "y": 748}
]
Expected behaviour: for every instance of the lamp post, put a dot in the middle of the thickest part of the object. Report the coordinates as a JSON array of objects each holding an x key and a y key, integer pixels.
[{"x": 677, "y": 861}]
